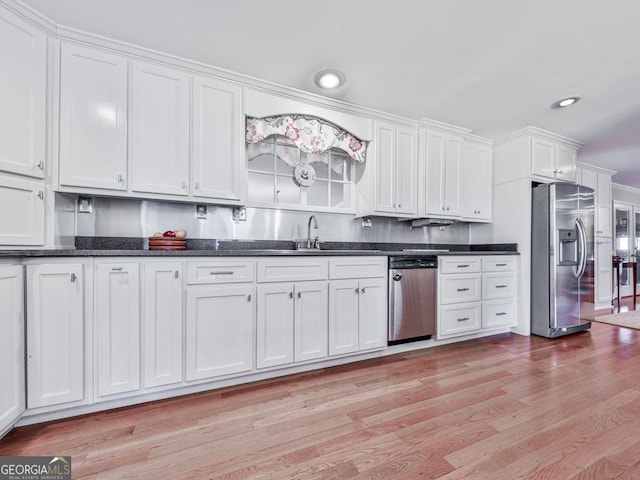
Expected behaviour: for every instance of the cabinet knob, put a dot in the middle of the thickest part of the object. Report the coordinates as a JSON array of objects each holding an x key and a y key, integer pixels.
[
  {"x": 73, "y": 278},
  {"x": 299, "y": 294},
  {"x": 290, "y": 294},
  {"x": 120, "y": 178},
  {"x": 40, "y": 165},
  {"x": 399, "y": 205},
  {"x": 40, "y": 194},
  {"x": 362, "y": 290},
  {"x": 196, "y": 186},
  {"x": 249, "y": 298},
  {"x": 176, "y": 274},
  {"x": 183, "y": 184},
  {"x": 357, "y": 290}
]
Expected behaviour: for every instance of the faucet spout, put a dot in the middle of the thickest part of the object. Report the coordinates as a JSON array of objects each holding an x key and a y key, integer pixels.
[{"x": 311, "y": 243}]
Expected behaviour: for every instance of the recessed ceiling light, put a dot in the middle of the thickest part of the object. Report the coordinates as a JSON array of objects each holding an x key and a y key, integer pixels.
[
  {"x": 565, "y": 102},
  {"x": 329, "y": 79}
]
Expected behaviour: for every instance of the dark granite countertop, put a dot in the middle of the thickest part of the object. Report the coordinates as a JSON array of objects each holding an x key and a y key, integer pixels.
[{"x": 138, "y": 247}]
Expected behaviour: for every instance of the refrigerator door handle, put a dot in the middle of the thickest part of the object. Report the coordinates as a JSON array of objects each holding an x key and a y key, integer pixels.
[{"x": 582, "y": 247}]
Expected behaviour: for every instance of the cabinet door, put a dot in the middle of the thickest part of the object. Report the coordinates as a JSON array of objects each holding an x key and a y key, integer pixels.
[
  {"x": 219, "y": 333},
  {"x": 372, "y": 313},
  {"x": 406, "y": 176},
  {"x": 117, "y": 326},
  {"x": 311, "y": 330},
  {"x": 159, "y": 130},
  {"x": 542, "y": 157},
  {"x": 435, "y": 168},
  {"x": 451, "y": 179},
  {"x": 55, "y": 334},
  {"x": 275, "y": 325},
  {"x": 565, "y": 167},
  {"x": 93, "y": 119},
  {"x": 23, "y": 222},
  {"x": 604, "y": 217},
  {"x": 162, "y": 323},
  {"x": 12, "y": 401},
  {"x": 218, "y": 162},
  {"x": 385, "y": 180},
  {"x": 23, "y": 95},
  {"x": 603, "y": 272},
  {"x": 343, "y": 316},
  {"x": 475, "y": 183}
]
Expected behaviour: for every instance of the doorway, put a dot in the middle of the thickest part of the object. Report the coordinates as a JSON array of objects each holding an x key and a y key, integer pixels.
[{"x": 627, "y": 241}]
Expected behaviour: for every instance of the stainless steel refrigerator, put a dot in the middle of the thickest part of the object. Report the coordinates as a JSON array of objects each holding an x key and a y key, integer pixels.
[{"x": 562, "y": 273}]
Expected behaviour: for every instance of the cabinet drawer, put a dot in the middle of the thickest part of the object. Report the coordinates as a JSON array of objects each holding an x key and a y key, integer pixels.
[
  {"x": 292, "y": 269},
  {"x": 221, "y": 271},
  {"x": 460, "y": 264},
  {"x": 498, "y": 264},
  {"x": 498, "y": 285},
  {"x": 459, "y": 288},
  {"x": 371, "y": 267},
  {"x": 459, "y": 319},
  {"x": 498, "y": 313}
]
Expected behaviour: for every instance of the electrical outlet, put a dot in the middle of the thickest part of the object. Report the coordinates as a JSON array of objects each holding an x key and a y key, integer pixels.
[
  {"x": 239, "y": 214},
  {"x": 85, "y": 205},
  {"x": 201, "y": 211}
]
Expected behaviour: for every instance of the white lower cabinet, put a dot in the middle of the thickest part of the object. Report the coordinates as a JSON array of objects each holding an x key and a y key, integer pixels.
[
  {"x": 357, "y": 305},
  {"x": 117, "y": 327},
  {"x": 162, "y": 324},
  {"x": 55, "y": 334},
  {"x": 291, "y": 323},
  {"x": 12, "y": 397},
  {"x": 219, "y": 334},
  {"x": 603, "y": 272},
  {"x": 476, "y": 293}
]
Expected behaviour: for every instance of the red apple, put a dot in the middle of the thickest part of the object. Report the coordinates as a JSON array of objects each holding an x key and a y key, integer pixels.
[{"x": 169, "y": 233}]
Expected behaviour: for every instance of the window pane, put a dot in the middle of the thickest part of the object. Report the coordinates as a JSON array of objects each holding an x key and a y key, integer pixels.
[
  {"x": 321, "y": 168},
  {"x": 318, "y": 193},
  {"x": 260, "y": 187},
  {"x": 288, "y": 157},
  {"x": 340, "y": 195},
  {"x": 260, "y": 156},
  {"x": 287, "y": 190},
  {"x": 338, "y": 167}
]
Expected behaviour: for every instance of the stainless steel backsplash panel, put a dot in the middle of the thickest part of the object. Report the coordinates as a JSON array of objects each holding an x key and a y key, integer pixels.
[{"x": 113, "y": 217}]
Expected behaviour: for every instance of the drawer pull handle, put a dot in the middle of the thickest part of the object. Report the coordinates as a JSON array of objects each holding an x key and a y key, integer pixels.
[
  {"x": 362, "y": 290},
  {"x": 357, "y": 290},
  {"x": 463, "y": 289},
  {"x": 117, "y": 269},
  {"x": 463, "y": 319},
  {"x": 299, "y": 294},
  {"x": 249, "y": 298},
  {"x": 176, "y": 274},
  {"x": 290, "y": 294},
  {"x": 73, "y": 277},
  {"x": 222, "y": 272},
  {"x": 501, "y": 286},
  {"x": 464, "y": 265},
  {"x": 499, "y": 314},
  {"x": 501, "y": 264}
]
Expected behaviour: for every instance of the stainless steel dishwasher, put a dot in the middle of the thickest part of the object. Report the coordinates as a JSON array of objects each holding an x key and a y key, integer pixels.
[{"x": 412, "y": 298}]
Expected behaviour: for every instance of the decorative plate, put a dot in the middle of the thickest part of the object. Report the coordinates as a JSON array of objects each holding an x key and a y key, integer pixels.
[{"x": 305, "y": 175}]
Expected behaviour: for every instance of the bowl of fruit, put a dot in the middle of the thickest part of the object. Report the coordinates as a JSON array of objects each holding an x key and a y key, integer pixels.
[{"x": 169, "y": 240}]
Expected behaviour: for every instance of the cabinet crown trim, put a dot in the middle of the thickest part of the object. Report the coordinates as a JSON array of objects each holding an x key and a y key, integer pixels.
[{"x": 531, "y": 130}]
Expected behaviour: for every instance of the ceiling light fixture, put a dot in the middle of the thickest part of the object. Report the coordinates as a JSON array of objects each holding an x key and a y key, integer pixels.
[
  {"x": 329, "y": 79},
  {"x": 565, "y": 102}
]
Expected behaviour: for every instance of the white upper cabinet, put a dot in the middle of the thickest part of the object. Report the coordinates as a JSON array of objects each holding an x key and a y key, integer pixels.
[
  {"x": 600, "y": 180},
  {"x": 159, "y": 144},
  {"x": 537, "y": 154},
  {"x": 23, "y": 96},
  {"x": 475, "y": 182},
  {"x": 441, "y": 181},
  {"x": 93, "y": 119},
  {"x": 395, "y": 159},
  {"x": 22, "y": 217},
  {"x": 218, "y": 164}
]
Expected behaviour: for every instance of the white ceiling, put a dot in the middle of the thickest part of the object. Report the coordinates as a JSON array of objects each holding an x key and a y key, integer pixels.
[{"x": 493, "y": 66}]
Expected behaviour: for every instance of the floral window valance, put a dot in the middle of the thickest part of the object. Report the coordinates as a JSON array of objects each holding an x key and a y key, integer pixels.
[{"x": 309, "y": 134}]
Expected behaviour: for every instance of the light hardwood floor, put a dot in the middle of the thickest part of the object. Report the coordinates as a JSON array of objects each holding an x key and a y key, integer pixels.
[{"x": 503, "y": 407}]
